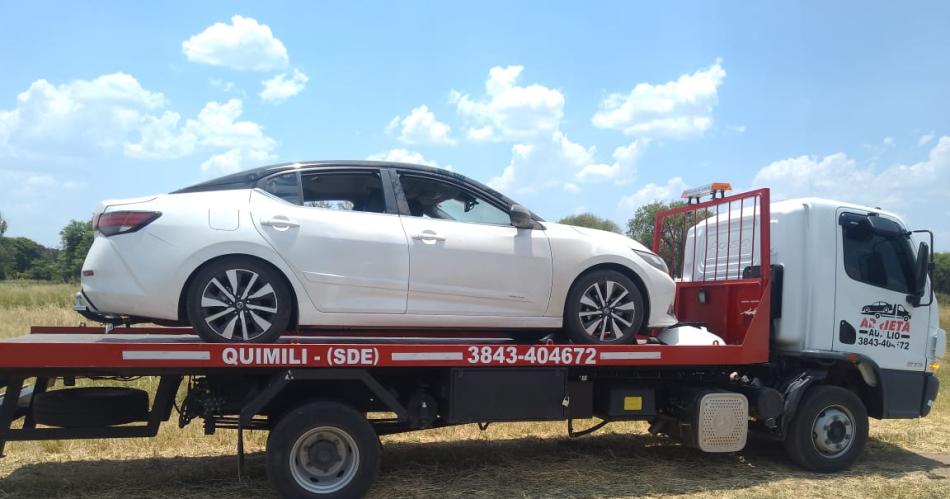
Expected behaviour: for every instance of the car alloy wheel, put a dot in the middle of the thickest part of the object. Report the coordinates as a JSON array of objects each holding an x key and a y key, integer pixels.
[
  {"x": 239, "y": 304},
  {"x": 606, "y": 309}
]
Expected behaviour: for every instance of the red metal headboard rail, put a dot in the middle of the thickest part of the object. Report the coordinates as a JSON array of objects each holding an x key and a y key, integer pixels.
[{"x": 718, "y": 251}]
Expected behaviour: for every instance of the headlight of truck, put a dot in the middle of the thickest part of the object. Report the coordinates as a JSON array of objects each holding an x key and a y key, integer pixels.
[{"x": 654, "y": 260}]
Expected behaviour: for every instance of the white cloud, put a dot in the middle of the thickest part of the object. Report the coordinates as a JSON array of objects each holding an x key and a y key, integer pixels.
[
  {"x": 400, "y": 155},
  {"x": 810, "y": 175},
  {"x": 78, "y": 118},
  {"x": 653, "y": 192},
  {"x": 217, "y": 126},
  {"x": 913, "y": 189},
  {"x": 420, "y": 126},
  {"x": 114, "y": 115},
  {"x": 677, "y": 109},
  {"x": 479, "y": 134},
  {"x": 922, "y": 141},
  {"x": 622, "y": 170},
  {"x": 284, "y": 86},
  {"x": 542, "y": 164},
  {"x": 509, "y": 111},
  {"x": 244, "y": 44}
]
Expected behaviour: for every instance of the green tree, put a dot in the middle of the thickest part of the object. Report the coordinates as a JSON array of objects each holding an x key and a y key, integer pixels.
[
  {"x": 18, "y": 255},
  {"x": 3, "y": 225},
  {"x": 75, "y": 240},
  {"x": 941, "y": 282},
  {"x": 643, "y": 225},
  {"x": 590, "y": 221}
]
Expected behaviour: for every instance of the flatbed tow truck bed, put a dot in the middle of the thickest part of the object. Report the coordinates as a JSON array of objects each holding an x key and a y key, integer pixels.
[
  {"x": 421, "y": 380},
  {"x": 325, "y": 396}
]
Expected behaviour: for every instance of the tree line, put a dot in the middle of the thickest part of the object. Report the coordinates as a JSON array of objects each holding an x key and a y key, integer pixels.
[{"x": 23, "y": 258}]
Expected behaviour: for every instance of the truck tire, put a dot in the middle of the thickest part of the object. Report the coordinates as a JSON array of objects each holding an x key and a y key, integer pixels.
[
  {"x": 322, "y": 450},
  {"x": 90, "y": 407},
  {"x": 829, "y": 431}
]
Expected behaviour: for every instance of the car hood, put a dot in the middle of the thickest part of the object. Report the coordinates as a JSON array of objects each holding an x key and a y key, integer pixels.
[{"x": 604, "y": 236}]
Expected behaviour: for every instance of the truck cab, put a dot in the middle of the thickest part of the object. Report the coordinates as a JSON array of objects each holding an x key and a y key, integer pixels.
[
  {"x": 850, "y": 285},
  {"x": 855, "y": 284}
]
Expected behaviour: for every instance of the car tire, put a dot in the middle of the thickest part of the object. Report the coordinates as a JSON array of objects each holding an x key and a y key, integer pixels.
[
  {"x": 239, "y": 300},
  {"x": 344, "y": 463},
  {"x": 604, "y": 307},
  {"x": 829, "y": 431}
]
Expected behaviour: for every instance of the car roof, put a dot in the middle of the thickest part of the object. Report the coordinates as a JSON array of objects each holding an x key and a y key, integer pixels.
[{"x": 248, "y": 179}]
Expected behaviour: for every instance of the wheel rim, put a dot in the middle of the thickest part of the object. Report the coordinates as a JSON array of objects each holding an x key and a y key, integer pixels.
[
  {"x": 324, "y": 460},
  {"x": 606, "y": 309},
  {"x": 239, "y": 303},
  {"x": 833, "y": 431}
]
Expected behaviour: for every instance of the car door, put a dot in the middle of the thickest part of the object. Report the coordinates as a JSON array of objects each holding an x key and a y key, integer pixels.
[
  {"x": 341, "y": 236},
  {"x": 873, "y": 279},
  {"x": 465, "y": 256}
]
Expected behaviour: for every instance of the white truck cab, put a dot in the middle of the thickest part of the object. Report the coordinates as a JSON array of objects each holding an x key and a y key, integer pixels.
[
  {"x": 850, "y": 283},
  {"x": 855, "y": 282}
]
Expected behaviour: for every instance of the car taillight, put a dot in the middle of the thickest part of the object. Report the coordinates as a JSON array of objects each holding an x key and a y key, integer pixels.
[{"x": 123, "y": 222}]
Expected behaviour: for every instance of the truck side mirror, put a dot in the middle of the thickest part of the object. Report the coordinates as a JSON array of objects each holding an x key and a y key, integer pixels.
[
  {"x": 921, "y": 272},
  {"x": 521, "y": 217}
]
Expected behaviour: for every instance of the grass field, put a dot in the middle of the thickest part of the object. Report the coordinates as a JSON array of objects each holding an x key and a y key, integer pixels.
[{"x": 905, "y": 458}]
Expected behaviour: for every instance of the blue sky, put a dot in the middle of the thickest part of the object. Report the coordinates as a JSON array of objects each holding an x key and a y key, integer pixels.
[{"x": 565, "y": 106}]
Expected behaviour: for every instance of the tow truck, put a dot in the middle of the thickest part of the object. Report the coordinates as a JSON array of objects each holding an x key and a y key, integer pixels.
[{"x": 780, "y": 335}]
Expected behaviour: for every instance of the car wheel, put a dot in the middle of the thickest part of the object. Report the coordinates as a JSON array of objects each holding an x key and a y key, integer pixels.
[
  {"x": 239, "y": 300},
  {"x": 604, "y": 307},
  {"x": 877, "y": 316}
]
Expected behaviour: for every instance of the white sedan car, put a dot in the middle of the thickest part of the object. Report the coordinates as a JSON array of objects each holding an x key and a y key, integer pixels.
[{"x": 360, "y": 244}]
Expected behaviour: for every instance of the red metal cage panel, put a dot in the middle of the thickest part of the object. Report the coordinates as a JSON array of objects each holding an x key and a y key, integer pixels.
[{"x": 718, "y": 253}]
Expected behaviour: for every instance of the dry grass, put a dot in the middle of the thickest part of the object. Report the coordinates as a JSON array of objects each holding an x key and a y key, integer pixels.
[{"x": 507, "y": 460}]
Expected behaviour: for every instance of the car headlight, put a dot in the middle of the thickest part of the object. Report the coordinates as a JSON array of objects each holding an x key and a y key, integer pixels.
[{"x": 654, "y": 260}]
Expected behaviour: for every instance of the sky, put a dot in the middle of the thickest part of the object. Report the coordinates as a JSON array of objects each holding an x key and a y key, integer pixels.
[{"x": 566, "y": 107}]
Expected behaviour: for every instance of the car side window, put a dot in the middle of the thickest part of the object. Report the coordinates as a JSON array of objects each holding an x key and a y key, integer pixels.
[
  {"x": 878, "y": 260},
  {"x": 284, "y": 186},
  {"x": 344, "y": 191},
  {"x": 431, "y": 198}
]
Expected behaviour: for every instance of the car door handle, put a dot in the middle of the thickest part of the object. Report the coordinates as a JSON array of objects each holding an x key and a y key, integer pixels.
[
  {"x": 280, "y": 223},
  {"x": 428, "y": 235}
]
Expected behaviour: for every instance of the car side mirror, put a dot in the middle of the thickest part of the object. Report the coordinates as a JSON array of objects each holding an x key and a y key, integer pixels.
[
  {"x": 921, "y": 272},
  {"x": 520, "y": 217}
]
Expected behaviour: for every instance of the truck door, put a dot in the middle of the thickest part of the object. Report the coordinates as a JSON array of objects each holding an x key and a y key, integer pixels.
[{"x": 874, "y": 276}]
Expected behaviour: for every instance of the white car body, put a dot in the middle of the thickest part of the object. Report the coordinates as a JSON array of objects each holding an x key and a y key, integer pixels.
[{"x": 360, "y": 269}]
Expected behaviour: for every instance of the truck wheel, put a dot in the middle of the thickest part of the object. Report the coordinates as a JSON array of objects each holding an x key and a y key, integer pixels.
[
  {"x": 603, "y": 307},
  {"x": 829, "y": 431},
  {"x": 322, "y": 450},
  {"x": 239, "y": 299}
]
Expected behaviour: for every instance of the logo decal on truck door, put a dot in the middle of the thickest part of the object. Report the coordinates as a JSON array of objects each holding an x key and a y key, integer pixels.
[
  {"x": 884, "y": 309},
  {"x": 885, "y": 325}
]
